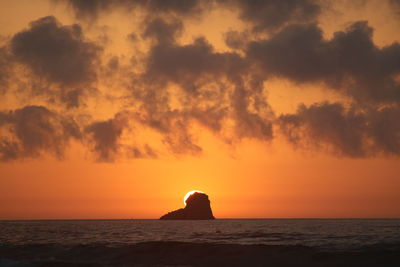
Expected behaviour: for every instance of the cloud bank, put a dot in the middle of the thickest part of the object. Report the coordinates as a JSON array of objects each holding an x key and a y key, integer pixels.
[
  {"x": 59, "y": 55},
  {"x": 174, "y": 88},
  {"x": 33, "y": 131}
]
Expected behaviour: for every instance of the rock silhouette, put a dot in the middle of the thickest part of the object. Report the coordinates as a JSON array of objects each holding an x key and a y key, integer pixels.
[{"x": 197, "y": 208}]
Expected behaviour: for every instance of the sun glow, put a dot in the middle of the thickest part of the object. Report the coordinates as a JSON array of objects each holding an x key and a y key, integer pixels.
[{"x": 190, "y": 193}]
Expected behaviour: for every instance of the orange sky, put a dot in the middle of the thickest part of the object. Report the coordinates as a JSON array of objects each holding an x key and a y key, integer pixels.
[{"x": 243, "y": 176}]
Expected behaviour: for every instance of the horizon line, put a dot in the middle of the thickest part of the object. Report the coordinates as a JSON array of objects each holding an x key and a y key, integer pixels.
[{"x": 223, "y": 218}]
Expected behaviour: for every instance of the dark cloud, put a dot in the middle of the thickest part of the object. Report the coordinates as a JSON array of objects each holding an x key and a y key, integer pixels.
[
  {"x": 383, "y": 127},
  {"x": 106, "y": 139},
  {"x": 174, "y": 126},
  {"x": 146, "y": 152},
  {"x": 162, "y": 31},
  {"x": 211, "y": 118},
  {"x": 262, "y": 14},
  {"x": 255, "y": 123},
  {"x": 326, "y": 124},
  {"x": 92, "y": 8},
  {"x": 236, "y": 39},
  {"x": 216, "y": 86},
  {"x": 350, "y": 61},
  {"x": 105, "y": 136},
  {"x": 178, "y": 138},
  {"x": 4, "y": 70},
  {"x": 182, "y": 86},
  {"x": 58, "y": 54},
  {"x": 181, "y": 7},
  {"x": 33, "y": 131},
  {"x": 273, "y": 14},
  {"x": 191, "y": 65},
  {"x": 395, "y": 4},
  {"x": 350, "y": 131}
]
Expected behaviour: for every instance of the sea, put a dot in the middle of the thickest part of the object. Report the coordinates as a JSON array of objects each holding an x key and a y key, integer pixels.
[{"x": 25, "y": 243}]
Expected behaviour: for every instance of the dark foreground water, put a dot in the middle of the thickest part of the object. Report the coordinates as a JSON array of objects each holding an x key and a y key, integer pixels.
[{"x": 264, "y": 242}]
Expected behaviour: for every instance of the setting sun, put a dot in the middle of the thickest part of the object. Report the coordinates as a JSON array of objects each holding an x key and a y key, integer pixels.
[{"x": 190, "y": 193}]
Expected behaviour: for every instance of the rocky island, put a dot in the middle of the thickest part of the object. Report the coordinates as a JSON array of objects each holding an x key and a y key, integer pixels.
[{"x": 197, "y": 208}]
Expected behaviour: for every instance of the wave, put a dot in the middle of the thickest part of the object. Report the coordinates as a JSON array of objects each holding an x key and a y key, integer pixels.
[{"x": 162, "y": 253}]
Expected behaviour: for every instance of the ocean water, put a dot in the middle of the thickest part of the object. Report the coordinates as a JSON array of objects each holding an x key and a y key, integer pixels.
[{"x": 332, "y": 234}]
